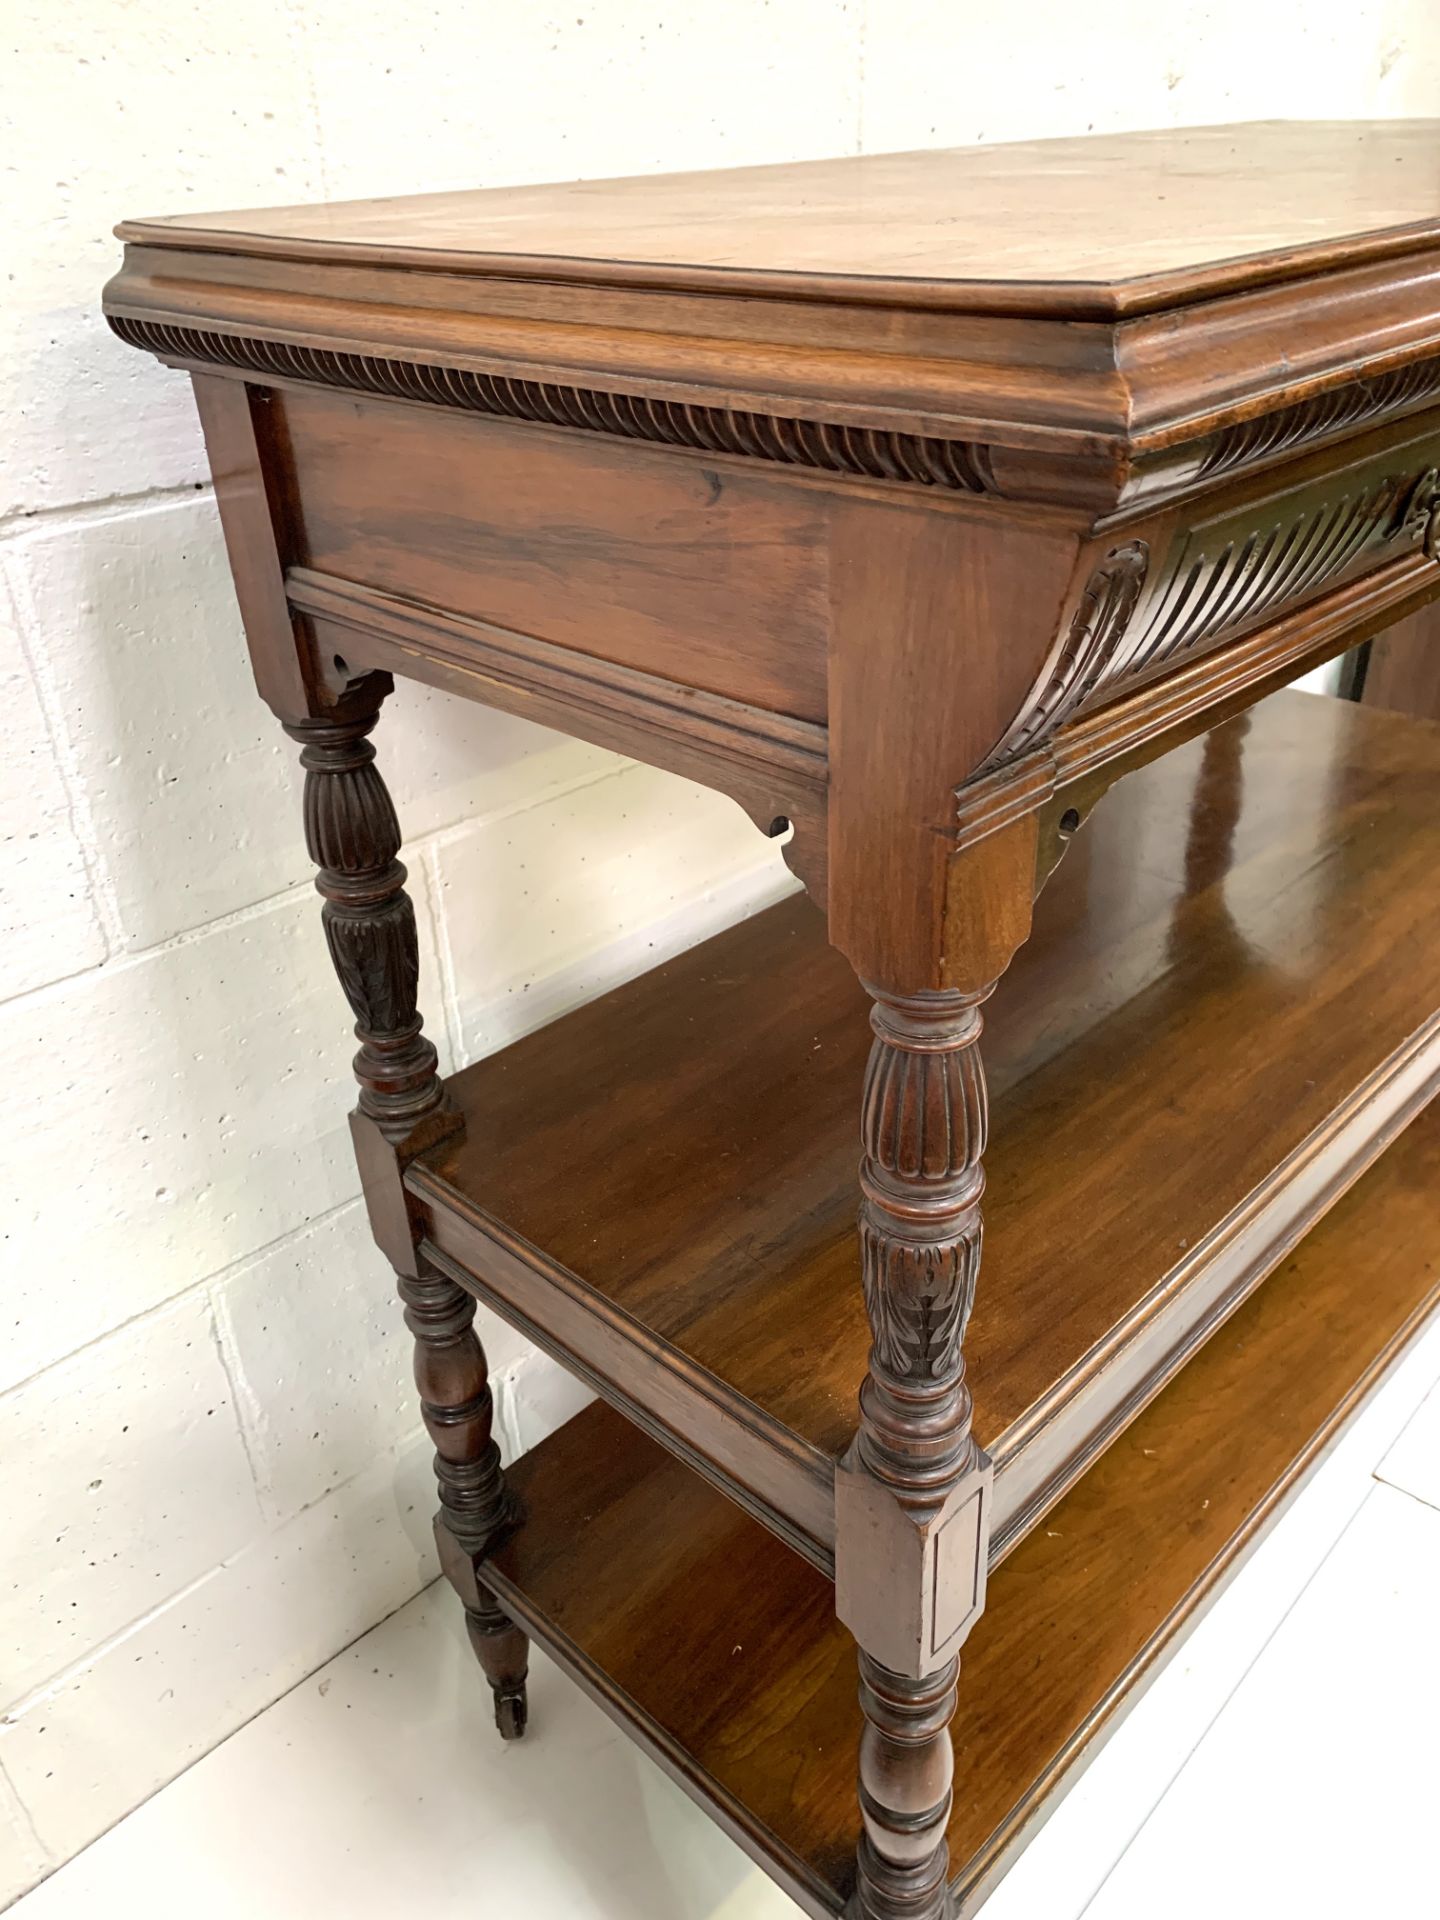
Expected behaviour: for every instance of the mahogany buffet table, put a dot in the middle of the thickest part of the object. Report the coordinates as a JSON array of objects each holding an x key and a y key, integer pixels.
[{"x": 912, "y": 501}]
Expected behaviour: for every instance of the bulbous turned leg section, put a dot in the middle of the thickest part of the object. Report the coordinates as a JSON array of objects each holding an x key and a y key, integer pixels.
[
  {"x": 354, "y": 840},
  {"x": 913, "y": 1495},
  {"x": 906, "y": 1770},
  {"x": 504, "y": 1653},
  {"x": 476, "y": 1508}
]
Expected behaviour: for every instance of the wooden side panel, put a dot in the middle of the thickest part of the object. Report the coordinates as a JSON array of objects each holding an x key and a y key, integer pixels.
[{"x": 703, "y": 574}]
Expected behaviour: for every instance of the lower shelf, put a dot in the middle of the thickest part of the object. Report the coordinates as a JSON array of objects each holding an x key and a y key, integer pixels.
[
  {"x": 1225, "y": 1013},
  {"x": 717, "y": 1646}
]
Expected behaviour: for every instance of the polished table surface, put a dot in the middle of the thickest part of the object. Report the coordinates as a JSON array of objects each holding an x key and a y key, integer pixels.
[{"x": 1178, "y": 211}]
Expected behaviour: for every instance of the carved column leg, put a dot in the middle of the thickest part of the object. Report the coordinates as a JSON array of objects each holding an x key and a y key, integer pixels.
[
  {"x": 913, "y": 1497},
  {"x": 354, "y": 839}
]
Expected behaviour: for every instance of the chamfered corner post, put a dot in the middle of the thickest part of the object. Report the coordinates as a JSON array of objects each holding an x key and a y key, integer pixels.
[{"x": 353, "y": 837}]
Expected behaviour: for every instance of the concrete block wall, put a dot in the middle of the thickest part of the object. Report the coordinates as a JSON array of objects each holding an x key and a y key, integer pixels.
[{"x": 211, "y": 1474}]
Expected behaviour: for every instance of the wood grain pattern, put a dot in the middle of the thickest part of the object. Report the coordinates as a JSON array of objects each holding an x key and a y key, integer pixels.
[
  {"x": 682, "y": 1216},
  {"x": 249, "y": 492},
  {"x": 908, "y": 590},
  {"x": 773, "y": 764},
  {"x": 1402, "y": 670},
  {"x": 708, "y": 580},
  {"x": 760, "y": 1721},
  {"x": 1053, "y": 225}
]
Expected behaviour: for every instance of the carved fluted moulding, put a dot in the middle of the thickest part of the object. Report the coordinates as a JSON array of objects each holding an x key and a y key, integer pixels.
[{"x": 847, "y": 487}]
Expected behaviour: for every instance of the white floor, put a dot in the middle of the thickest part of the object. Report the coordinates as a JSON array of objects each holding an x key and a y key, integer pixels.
[{"x": 1285, "y": 1762}]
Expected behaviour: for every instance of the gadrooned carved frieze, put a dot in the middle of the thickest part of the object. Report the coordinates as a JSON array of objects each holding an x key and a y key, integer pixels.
[
  {"x": 1358, "y": 403},
  {"x": 1131, "y": 623},
  {"x": 938, "y": 462},
  {"x": 825, "y": 446}
]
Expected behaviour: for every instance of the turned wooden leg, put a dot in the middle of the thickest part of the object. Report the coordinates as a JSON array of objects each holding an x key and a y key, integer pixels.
[
  {"x": 354, "y": 840},
  {"x": 913, "y": 1496},
  {"x": 475, "y": 1505},
  {"x": 906, "y": 1766},
  {"x": 504, "y": 1652}
]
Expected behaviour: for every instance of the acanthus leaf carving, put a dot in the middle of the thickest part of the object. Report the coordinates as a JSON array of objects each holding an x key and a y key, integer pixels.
[
  {"x": 375, "y": 956},
  {"x": 918, "y": 1298},
  {"x": 922, "y": 1127},
  {"x": 353, "y": 837}
]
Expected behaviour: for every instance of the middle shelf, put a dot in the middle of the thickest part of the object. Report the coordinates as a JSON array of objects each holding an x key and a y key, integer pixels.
[{"x": 1226, "y": 1011}]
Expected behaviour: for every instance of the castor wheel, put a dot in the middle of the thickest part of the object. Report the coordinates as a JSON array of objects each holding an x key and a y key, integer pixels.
[
  {"x": 511, "y": 1712},
  {"x": 503, "y": 1653}
]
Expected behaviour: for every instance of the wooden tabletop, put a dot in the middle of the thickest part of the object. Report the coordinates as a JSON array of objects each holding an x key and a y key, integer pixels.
[{"x": 1160, "y": 216}]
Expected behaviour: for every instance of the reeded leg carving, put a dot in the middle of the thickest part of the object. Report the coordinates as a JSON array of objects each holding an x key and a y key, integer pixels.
[
  {"x": 912, "y": 1500},
  {"x": 354, "y": 839}
]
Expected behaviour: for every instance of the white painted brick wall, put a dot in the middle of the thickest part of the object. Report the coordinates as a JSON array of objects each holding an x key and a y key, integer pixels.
[{"x": 211, "y": 1475}]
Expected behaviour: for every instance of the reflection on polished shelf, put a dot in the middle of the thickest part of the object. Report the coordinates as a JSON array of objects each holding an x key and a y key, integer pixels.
[{"x": 906, "y": 503}]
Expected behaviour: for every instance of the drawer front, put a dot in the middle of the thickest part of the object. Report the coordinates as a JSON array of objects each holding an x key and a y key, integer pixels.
[{"x": 662, "y": 561}]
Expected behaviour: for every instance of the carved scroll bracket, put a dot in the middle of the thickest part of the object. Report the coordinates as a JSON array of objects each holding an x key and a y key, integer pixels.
[{"x": 1096, "y": 632}]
